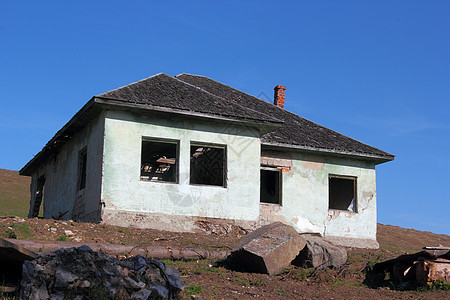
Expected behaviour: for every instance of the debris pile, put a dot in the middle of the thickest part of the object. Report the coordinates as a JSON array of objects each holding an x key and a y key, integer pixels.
[
  {"x": 80, "y": 273},
  {"x": 412, "y": 270}
]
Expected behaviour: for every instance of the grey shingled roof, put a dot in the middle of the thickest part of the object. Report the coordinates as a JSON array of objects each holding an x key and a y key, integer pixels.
[
  {"x": 295, "y": 131},
  {"x": 162, "y": 90}
]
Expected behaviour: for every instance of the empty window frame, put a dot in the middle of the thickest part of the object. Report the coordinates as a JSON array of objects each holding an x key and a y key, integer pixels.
[
  {"x": 159, "y": 160},
  {"x": 342, "y": 193},
  {"x": 82, "y": 164},
  {"x": 270, "y": 186},
  {"x": 208, "y": 165}
]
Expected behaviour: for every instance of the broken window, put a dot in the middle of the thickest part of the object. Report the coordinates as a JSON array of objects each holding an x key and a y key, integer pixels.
[
  {"x": 342, "y": 193},
  {"x": 208, "y": 165},
  {"x": 159, "y": 160},
  {"x": 82, "y": 161},
  {"x": 270, "y": 186}
]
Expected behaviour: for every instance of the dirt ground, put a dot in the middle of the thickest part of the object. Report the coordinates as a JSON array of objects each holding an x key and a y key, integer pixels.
[{"x": 204, "y": 281}]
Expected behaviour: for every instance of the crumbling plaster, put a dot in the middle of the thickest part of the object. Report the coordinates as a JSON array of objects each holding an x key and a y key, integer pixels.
[
  {"x": 122, "y": 189},
  {"x": 305, "y": 195},
  {"x": 61, "y": 176}
]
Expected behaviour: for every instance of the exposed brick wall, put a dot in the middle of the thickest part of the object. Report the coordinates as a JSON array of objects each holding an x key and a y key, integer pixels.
[{"x": 269, "y": 213}]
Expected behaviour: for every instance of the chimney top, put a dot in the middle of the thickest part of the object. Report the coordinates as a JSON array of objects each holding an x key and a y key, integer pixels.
[{"x": 278, "y": 98}]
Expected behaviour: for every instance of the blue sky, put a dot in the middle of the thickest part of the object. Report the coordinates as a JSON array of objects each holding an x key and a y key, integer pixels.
[{"x": 377, "y": 71}]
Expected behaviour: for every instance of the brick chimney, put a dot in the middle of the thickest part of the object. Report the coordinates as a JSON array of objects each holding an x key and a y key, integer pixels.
[{"x": 278, "y": 97}]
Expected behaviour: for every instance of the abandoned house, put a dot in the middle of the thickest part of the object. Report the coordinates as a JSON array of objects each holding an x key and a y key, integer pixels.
[{"x": 169, "y": 152}]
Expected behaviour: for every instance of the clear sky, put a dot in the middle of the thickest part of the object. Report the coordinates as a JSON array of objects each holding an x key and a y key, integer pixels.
[{"x": 377, "y": 71}]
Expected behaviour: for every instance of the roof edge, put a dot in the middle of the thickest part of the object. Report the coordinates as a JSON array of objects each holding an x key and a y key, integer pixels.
[
  {"x": 126, "y": 85},
  {"x": 377, "y": 158},
  {"x": 27, "y": 170}
]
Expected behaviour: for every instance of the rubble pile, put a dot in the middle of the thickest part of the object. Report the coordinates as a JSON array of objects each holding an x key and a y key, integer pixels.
[
  {"x": 80, "y": 273},
  {"x": 412, "y": 270}
]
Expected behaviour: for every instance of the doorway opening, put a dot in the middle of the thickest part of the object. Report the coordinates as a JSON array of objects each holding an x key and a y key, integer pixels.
[{"x": 39, "y": 197}]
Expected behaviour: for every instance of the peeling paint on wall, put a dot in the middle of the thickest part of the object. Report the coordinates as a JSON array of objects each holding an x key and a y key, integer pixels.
[
  {"x": 305, "y": 225},
  {"x": 313, "y": 165}
]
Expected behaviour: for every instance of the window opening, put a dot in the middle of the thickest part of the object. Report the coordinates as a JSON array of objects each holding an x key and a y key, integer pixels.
[
  {"x": 208, "y": 165},
  {"x": 270, "y": 186},
  {"x": 39, "y": 196},
  {"x": 82, "y": 162},
  {"x": 342, "y": 193},
  {"x": 159, "y": 160}
]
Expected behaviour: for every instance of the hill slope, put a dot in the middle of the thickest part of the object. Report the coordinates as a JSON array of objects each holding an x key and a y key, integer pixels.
[
  {"x": 219, "y": 282},
  {"x": 14, "y": 193}
]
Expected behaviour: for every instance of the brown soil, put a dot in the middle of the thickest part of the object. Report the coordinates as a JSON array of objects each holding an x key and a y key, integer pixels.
[{"x": 218, "y": 282}]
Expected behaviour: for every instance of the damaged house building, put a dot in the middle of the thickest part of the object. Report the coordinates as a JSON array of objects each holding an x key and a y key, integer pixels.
[{"x": 169, "y": 152}]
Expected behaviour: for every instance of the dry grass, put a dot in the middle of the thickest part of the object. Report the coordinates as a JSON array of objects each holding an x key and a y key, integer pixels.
[{"x": 14, "y": 193}]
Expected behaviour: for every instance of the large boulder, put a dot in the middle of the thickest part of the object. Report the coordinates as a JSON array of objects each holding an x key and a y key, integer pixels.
[
  {"x": 80, "y": 273},
  {"x": 268, "y": 249},
  {"x": 320, "y": 254}
]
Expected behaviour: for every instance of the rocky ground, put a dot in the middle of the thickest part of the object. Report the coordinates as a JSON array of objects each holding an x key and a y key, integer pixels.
[{"x": 206, "y": 279}]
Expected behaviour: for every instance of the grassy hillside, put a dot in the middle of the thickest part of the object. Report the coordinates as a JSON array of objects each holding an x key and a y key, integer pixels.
[{"x": 14, "y": 193}]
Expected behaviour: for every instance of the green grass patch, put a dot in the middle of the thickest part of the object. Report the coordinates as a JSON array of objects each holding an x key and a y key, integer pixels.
[
  {"x": 193, "y": 289},
  {"x": 438, "y": 285},
  {"x": 300, "y": 274},
  {"x": 281, "y": 293},
  {"x": 19, "y": 231},
  {"x": 241, "y": 282},
  {"x": 356, "y": 284},
  {"x": 62, "y": 238},
  {"x": 205, "y": 269}
]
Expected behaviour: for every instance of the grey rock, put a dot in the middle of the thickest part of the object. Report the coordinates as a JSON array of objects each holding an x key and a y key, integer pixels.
[
  {"x": 320, "y": 254},
  {"x": 174, "y": 279},
  {"x": 63, "y": 278},
  {"x": 269, "y": 249},
  {"x": 73, "y": 272},
  {"x": 133, "y": 284},
  {"x": 140, "y": 263},
  {"x": 141, "y": 295},
  {"x": 84, "y": 248},
  {"x": 160, "y": 290},
  {"x": 57, "y": 297}
]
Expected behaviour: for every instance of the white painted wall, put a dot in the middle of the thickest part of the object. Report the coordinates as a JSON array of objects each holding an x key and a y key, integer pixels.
[
  {"x": 123, "y": 190},
  {"x": 61, "y": 172}
]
